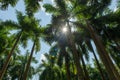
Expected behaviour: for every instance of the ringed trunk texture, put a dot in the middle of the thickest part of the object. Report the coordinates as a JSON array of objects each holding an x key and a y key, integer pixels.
[
  {"x": 112, "y": 71},
  {"x": 28, "y": 64},
  {"x": 2, "y": 72}
]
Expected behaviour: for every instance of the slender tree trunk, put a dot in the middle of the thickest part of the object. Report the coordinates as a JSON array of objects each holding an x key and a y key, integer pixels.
[
  {"x": 86, "y": 75},
  {"x": 2, "y": 72},
  {"x": 63, "y": 51},
  {"x": 97, "y": 62},
  {"x": 99, "y": 67},
  {"x": 113, "y": 73},
  {"x": 84, "y": 68},
  {"x": 67, "y": 68},
  {"x": 75, "y": 54},
  {"x": 28, "y": 64},
  {"x": 73, "y": 69},
  {"x": 67, "y": 65}
]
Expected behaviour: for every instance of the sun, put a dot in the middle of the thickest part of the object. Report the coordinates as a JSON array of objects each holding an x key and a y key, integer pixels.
[{"x": 64, "y": 29}]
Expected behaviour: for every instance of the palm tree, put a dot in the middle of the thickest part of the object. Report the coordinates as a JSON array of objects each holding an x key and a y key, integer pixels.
[
  {"x": 83, "y": 39},
  {"x": 8, "y": 59},
  {"x": 110, "y": 36},
  {"x": 86, "y": 75},
  {"x": 91, "y": 15},
  {"x": 96, "y": 59},
  {"x": 38, "y": 32},
  {"x": 61, "y": 49},
  {"x": 24, "y": 26},
  {"x": 60, "y": 17},
  {"x": 104, "y": 55}
]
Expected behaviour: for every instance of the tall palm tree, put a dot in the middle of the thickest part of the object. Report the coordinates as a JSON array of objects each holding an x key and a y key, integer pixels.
[
  {"x": 83, "y": 39},
  {"x": 24, "y": 26},
  {"x": 104, "y": 55},
  {"x": 60, "y": 17},
  {"x": 96, "y": 59},
  {"x": 28, "y": 64},
  {"x": 36, "y": 46},
  {"x": 83, "y": 62},
  {"x": 91, "y": 15}
]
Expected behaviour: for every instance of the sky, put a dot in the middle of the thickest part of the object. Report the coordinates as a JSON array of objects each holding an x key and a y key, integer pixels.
[{"x": 44, "y": 17}]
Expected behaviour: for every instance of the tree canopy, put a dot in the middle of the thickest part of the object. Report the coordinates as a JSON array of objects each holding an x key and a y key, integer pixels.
[{"x": 83, "y": 35}]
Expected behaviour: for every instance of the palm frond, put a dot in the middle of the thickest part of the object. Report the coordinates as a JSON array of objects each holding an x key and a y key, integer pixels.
[
  {"x": 32, "y": 6},
  {"x": 5, "y": 3},
  {"x": 10, "y": 24},
  {"x": 51, "y": 9}
]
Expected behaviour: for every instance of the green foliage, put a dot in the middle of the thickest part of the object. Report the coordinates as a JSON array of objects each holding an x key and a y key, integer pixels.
[
  {"x": 32, "y": 6},
  {"x": 5, "y": 3},
  {"x": 51, "y": 9}
]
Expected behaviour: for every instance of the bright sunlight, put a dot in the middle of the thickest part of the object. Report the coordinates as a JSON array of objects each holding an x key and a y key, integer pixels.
[{"x": 64, "y": 29}]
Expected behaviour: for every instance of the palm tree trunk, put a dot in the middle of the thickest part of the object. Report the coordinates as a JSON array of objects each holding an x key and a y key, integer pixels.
[
  {"x": 63, "y": 51},
  {"x": 67, "y": 66},
  {"x": 75, "y": 55},
  {"x": 97, "y": 62},
  {"x": 113, "y": 73},
  {"x": 99, "y": 67},
  {"x": 2, "y": 72},
  {"x": 28, "y": 64},
  {"x": 84, "y": 68},
  {"x": 73, "y": 69}
]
